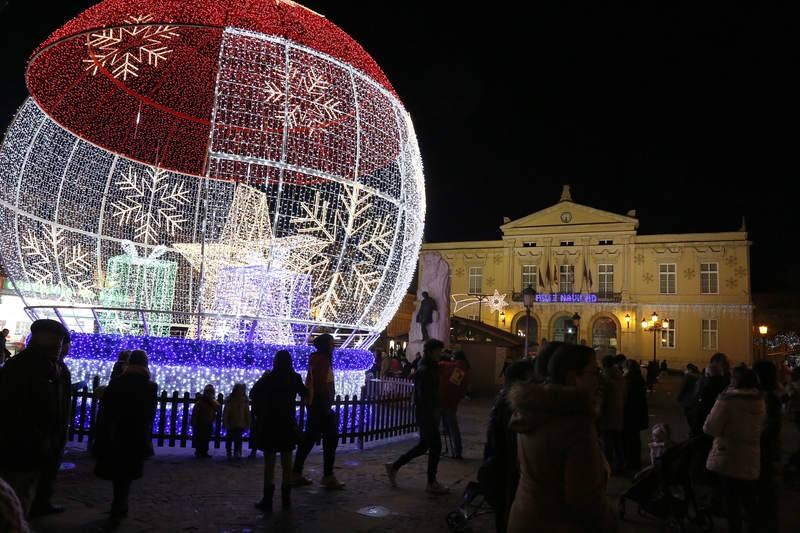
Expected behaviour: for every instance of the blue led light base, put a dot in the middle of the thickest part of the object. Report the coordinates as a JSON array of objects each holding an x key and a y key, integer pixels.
[{"x": 187, "y": 365}]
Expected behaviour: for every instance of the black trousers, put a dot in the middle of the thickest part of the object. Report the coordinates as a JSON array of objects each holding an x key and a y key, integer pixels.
[
  {"x": 429, "y": 441},
  {"x": 613, "y": 448},
  {"x": 122, "y": 489},
  {"x": 632, "y": 442},
  {"x": 739, "y": 493},
  {"x": 233, "y": 438},
  {"x": 47, "y": 479},
  {"x": 321, "y": 422}
]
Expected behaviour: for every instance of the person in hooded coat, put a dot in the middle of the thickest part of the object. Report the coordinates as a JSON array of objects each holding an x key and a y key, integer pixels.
[
  {"x": 125, "y": 429},
  {"x": 563, "y": 474}
]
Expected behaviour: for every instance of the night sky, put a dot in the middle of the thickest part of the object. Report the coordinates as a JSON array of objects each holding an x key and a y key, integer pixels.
[{"x": 687, "y": 114}]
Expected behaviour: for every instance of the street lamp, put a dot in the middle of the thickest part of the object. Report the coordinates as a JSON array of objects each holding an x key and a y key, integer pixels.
[
  {"x": 576, "y": 321},
  {"x": 528, "y": 297},
  {"x": 656, "y": 327},
  {"x": 627, "y": 321},
  {"x": 762, "y": 329}
]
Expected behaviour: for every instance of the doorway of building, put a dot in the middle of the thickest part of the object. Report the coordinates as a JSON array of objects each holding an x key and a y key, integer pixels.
[
  {"x": 564, "y": 330},
  {"x": 604, "y": 336},
  {"x": 528, "y": 328}
]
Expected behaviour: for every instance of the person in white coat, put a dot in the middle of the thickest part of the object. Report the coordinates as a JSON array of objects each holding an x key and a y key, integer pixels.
[{"x": 735, "y": 422}]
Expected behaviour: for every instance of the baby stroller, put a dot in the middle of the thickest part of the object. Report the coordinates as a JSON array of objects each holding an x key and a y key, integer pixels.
[
  {"x": 473, "y": 504},
  {"x": 667, "y": 491}
]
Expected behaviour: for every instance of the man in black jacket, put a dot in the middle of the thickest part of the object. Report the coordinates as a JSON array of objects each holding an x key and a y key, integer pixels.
[
  {"x": 32, "y": 415},
  {"x": 426, "y": 400},
  {"x": 44, "y": 489}
]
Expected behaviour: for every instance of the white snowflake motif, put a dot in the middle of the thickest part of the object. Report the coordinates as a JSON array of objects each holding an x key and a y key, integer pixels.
[
  {"x": 47, "y": 255},
  {"x": 151, "y": 202},
  {"x": 123, "y": 50},
  {"x": 309, "y": 105}
]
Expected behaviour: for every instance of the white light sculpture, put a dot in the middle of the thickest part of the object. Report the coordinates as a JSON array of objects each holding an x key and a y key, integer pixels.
[{"x": 277, "y": 144}]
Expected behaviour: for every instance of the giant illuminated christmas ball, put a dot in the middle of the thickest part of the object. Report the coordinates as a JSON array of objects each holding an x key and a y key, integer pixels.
[{"x": 239, "y": 168}]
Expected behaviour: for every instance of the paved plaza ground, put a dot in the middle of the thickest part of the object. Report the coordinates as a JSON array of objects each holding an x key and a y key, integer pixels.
[{"x": 180, "y": 493}]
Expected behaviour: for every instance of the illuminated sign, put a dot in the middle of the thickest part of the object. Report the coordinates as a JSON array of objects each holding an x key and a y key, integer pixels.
[{"x": 556, "y": 298}]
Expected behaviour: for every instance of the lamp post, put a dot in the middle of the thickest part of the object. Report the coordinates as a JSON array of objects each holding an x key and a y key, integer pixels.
[
  {"x": 528, "y": 297},
  {"x": 762, "y": 330},
  {"x": 656, "y": 327},
  {"x": 576, "y": 321}
]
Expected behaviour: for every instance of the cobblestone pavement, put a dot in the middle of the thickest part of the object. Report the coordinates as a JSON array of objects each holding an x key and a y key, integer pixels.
[{"x": 181, "y": 493}]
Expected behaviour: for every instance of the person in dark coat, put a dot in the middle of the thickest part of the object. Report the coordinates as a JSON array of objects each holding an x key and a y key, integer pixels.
[
  {"x": 120, "y": 364},
  {"x": 425, "y": 314},
  {"x": 4, "y": 353},
  {"x": 652, "y": 375},
  {"x": 498, "y": 476},
  {"x": 426, "y": 404},
  {"x": 770, "y": 447},
  {"x": 42, "y": 505},
  {"x": 125, "y": 430},
  {"x": 203, "y": 416},
  {"x": 635, "y": 414},
  {"x": 255, "y": 424},
  {"x": 688, "y": 391},
  {"x": 274, "y": 401},
  {"x": 611, "y": 418},
  {"x": 31, "y": 417},
  {"x": 709, "y": 387}
]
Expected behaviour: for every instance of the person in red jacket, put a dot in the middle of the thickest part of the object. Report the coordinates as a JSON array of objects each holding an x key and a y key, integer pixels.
[
  {"x": 322, "y": 420},
  {"x": 453, "y": 380}
]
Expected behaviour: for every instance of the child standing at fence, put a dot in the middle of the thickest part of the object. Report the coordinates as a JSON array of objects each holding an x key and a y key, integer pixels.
[
  {"x": 274, "y": 402},
  {"x": 235, "y": 419},
  {"x": 203, "y": 415}
]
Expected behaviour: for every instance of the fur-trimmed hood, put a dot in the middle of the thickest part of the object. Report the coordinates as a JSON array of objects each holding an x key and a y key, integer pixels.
[{"x": 537, "y": 405}]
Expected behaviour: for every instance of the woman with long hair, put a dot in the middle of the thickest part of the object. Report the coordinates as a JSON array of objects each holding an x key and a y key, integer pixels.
[{"x": 278, "y": 432}]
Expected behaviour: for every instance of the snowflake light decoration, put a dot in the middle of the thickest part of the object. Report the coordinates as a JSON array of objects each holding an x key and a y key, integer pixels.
[
  {"x": 124, "y": 49},
  {"x": 151, "y": 203},
  {"x": 250, "y": 141}
]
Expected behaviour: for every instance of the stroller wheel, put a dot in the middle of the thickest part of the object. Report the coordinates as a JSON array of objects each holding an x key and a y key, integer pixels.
[{"x": 621, "y": 508}]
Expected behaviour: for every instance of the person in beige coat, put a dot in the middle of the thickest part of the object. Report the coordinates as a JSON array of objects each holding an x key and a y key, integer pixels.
[
  {"x": 735, "y": 422},
  {"x": 563, "y": 475}
]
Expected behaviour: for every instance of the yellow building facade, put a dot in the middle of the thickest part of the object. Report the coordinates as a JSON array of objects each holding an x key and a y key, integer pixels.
[{"x": 596, "y": 280}]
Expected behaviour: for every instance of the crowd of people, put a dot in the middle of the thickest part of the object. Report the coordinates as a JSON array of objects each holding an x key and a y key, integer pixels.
[{"x": 562, "y": 425}]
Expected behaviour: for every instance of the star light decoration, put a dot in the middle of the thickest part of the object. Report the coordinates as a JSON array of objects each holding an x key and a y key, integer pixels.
[
  {"x": 497, "y": 302},
  {"x": 246, "y": 241}
]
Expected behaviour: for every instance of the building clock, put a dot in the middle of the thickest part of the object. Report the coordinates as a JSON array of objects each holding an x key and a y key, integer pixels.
[{"x": 566, "y": 217}]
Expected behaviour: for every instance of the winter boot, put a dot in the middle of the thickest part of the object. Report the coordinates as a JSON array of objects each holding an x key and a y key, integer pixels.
[{"x": 265, "y": 504}]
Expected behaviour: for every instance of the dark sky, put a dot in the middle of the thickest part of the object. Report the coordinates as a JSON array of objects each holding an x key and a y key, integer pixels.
[{"x": 686, "y": 113}]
